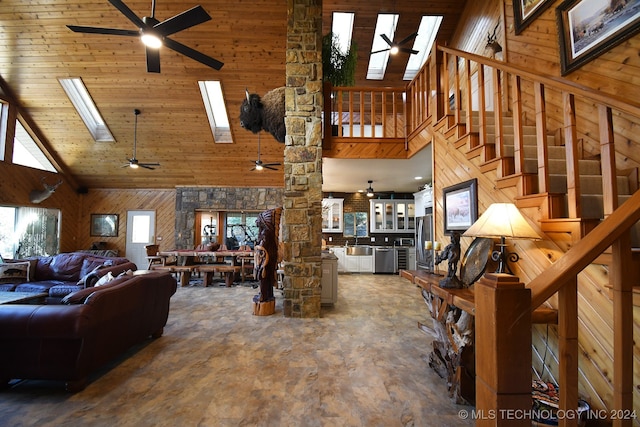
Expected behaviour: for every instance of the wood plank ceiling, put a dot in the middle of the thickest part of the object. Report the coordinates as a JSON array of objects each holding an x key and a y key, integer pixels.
[{"x": 36, "y": 48}]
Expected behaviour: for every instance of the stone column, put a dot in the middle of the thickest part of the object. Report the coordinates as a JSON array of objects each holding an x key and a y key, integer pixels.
[{"x": 301, "y": 220}]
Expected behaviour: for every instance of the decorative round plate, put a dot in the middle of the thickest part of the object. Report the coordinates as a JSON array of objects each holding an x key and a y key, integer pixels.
[{"x": 475, "y": 260}]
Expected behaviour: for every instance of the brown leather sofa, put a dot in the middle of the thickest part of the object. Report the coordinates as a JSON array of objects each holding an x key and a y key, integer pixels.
[
  {"x": 61, "y": 274},
  {"x": 91, "y": 327}
]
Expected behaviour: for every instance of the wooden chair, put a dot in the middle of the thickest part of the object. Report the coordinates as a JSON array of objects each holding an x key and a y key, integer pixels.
[
  {"x": 152, "y": 255},
  {"x": 247, "y": 264}
]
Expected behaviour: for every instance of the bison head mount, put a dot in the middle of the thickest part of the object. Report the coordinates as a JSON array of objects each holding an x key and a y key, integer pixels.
[{"x": 266, "y": 113}]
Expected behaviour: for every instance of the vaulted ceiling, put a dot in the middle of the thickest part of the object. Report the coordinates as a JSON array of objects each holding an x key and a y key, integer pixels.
[{"x": 249, "y": 37}]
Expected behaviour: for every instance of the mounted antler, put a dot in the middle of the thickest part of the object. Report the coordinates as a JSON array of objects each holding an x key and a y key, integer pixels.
[
  {"x": 492, "y": 43},
  {"x": 37, "y": 196}
]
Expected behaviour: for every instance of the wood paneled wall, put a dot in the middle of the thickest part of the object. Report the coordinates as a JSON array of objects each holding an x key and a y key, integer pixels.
[
  {"x": 536, "y": 49},
  {"x": 18, "y": 181},
  {"x": 119, "y": 201}
]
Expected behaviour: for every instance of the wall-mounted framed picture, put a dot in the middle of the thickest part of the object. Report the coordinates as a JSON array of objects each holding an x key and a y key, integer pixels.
[
  {"x": 589, "y": 28},
  {"x": 526, "y": 11},
  {"x": 460, "y": 204},
  {"x": 104, "y": 225}
]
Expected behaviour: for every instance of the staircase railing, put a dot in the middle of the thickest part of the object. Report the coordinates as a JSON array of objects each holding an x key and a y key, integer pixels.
[{"x": 527, "y": 95}]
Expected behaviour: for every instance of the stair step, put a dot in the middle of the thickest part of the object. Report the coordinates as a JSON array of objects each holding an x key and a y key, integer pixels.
[
  {"x": 589, "y": 184},
  {"x": 559, "y": 167}
]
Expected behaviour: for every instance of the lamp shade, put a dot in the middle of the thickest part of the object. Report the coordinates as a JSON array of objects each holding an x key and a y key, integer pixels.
[{"x": 502, "y": 220}]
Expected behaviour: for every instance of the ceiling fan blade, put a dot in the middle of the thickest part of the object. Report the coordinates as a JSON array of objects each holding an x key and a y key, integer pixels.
[
  {"x": 385, "y": 38},
  {"x": 187, "y": 19},
  {"x": 409, "y": 37},
  {"x": 153, "y": 60},
  {"x": 109, "y": 31},
  {"x": 407, "y": 50},
  {"x": 378, "y": 51},
  {"x": 193, "y": 54},
  {"x": 124, "y": 9},
  {"x": 146, "y": 166},
  {"x": 269, "y": 167},
  {"x": 271, "y": 164}
]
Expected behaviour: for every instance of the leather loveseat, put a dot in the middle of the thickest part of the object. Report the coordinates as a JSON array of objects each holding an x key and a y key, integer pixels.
[
  {"x": 92, "y": 326},
  {"x": 59, "y": 275}
]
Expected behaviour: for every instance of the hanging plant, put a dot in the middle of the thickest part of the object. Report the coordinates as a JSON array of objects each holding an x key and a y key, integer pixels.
[{"x": 338, "y": 68}]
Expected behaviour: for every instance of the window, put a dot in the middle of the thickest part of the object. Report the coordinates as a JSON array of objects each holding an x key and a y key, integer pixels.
[
  {"x": 342, "y": 26},
  {"x": 26, "y": 231},
  {"x": 429, "y": 26},
  {"x": 386, "y": 25},
  {"x": 27, "y": 153},
  {"x": 84, "y": 105},
  {"x": 214, "y": 103},
  {"x": 241, "y": 229}
]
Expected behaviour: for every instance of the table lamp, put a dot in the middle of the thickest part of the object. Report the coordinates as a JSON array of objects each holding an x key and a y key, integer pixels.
[{"x": 502, "y": 220}]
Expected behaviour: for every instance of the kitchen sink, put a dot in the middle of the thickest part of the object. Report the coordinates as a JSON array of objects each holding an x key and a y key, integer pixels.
[{"x": 359, "y": 250}]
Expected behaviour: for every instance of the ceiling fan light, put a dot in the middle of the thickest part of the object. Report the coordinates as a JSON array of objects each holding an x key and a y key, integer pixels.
[
  {"x": 259, "y": 167},
  {"x": 151, "y": 40},
  {"x": 394, "y": 50},
  {"x": 133, "y": 165}
]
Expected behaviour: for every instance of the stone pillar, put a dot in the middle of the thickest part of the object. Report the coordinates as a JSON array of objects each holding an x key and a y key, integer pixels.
[
  {"x": 503, "y": 351},
  {"x": 301, "y": 220}
]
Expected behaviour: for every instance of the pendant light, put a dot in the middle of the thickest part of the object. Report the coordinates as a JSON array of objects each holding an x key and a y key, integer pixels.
[{"x": 370, "y": 189}]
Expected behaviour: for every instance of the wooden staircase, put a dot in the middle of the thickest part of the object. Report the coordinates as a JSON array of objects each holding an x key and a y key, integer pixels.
[{"x": 589, "y": 170}]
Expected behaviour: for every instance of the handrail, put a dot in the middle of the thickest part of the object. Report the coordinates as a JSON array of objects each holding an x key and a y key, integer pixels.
[
  {"x": 585, "y": 251},
  {"x": 626, "y": 105}
]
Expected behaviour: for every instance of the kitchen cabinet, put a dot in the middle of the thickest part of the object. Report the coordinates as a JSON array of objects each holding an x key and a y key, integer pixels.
[
  {"x": 329, "y": 292},
  {"x": 339, "y": 252},
  {"x": 411, "y": 264},
  {"x": 359, "y": 263},
  {"x": 332, "y": 215},
  {"x": 392, "y": 216}
]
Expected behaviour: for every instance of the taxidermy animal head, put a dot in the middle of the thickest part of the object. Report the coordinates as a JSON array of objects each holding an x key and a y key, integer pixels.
[
  {"x": 265, "y": 113},
  {"x": 37, "y": 196},
  {"x": 492, "y": 42}
]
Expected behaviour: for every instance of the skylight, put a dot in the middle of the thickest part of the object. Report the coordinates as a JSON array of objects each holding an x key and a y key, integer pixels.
[
  {"x": 386, "y": 24},
  {"x": 84, "y": 105},
  {"x": 427, "y": 32},
  {"x": 214, "y": 103},
  {"x": 342, "y": 26},
  {"x": 27, "y": 153}
]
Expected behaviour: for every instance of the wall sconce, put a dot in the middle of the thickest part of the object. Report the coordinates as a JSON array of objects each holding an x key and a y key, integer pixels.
[{"x": 502, "y": 220}]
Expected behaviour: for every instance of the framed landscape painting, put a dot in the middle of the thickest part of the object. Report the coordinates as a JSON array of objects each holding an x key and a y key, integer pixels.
[
  {"x": 104, "y": 225},
  {"x": 460, "y": 203},
  {"x": 525, "y": 11},
  {"x": 589, "y": 28}
]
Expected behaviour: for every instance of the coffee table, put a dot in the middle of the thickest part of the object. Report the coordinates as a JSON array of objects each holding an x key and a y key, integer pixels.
[{"x": 22, "y": 297}]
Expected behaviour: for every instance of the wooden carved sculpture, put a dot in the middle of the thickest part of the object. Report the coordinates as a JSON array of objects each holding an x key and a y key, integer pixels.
[
  {"x": 266, "y": 260},
  {"x": 451, "y": 253}
]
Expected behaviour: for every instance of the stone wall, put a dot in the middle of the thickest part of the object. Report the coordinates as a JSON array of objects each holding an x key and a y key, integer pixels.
[{"x": 189, "y": 199}]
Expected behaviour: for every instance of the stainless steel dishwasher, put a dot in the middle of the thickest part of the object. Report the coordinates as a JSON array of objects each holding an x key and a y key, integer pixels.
[{"x": 384, "y": 259}]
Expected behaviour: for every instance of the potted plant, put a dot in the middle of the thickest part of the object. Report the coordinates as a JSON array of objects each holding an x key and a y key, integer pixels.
[{"x": 338, "y": 67}]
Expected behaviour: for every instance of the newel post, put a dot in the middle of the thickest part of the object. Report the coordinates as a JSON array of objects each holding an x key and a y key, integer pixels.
[{"x": 503, "y": 351}]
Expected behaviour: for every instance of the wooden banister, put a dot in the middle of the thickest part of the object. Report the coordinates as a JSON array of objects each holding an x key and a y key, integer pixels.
[{"x": 585, "y": 251}]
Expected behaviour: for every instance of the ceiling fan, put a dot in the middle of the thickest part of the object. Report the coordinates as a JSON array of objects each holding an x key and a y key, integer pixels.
[
  {"x": 153, "y": 33},
  {"x": 259, "y": 165},
  {"x": 133, "y": 161},
  {"x": 397, "y": 47}
]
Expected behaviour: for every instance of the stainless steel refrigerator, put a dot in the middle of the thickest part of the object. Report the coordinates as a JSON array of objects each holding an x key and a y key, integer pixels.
[{"x": 424, "y": 234}]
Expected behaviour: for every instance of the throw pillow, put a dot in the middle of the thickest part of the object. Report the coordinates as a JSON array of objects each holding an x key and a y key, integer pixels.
[
  {"x": 14, "y": 272},
  {"x": 105, "y": 279}
]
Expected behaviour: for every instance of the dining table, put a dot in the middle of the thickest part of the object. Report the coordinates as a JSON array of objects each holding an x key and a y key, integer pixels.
[{"x": 187, "y": 256}]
